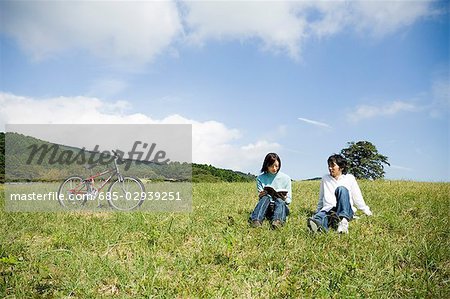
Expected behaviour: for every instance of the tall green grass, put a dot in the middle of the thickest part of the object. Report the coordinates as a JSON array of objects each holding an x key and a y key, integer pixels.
[{"x": 400, "y": 252}]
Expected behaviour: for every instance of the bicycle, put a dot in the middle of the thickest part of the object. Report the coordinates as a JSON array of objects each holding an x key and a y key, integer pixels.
[{"x": 124, "y": 194}]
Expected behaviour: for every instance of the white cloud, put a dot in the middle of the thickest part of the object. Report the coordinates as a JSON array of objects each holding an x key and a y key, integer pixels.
[
  {"x": 367, "y": 111},
  {"x": 377, "y": 18},
  {"x": 381, "y": 17},
  {"x": 284, "y": 26},
  {"x": 123, "y": 33},
  {"x": 131, "y": 34},
  {"x": 435, "y": 101},
  {"x": 213, "y": 142},
  {"x": 328, "y": 17},
  {"x": 314, "y": 122},
  {"x": 274, "y": 23}
]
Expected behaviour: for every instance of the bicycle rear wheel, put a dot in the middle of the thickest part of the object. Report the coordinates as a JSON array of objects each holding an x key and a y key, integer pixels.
[
  {"x": 127, "y": 194},
  {"x": 73, "y": 192}
]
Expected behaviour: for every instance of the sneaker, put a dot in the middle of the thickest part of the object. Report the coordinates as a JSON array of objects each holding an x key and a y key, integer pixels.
[
  {"x": 314, "y": 225},
  {"x": 343, "y": 226},
  {"x": 276, "y": 224},
  {"x": 256, "y": 223}
]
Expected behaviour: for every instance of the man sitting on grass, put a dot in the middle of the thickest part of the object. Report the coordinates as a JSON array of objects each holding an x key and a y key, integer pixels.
[{"x": 338, "y": 192}]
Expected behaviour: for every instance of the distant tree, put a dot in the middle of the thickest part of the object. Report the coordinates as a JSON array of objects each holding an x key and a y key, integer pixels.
[{"x": 364, "y": 161}]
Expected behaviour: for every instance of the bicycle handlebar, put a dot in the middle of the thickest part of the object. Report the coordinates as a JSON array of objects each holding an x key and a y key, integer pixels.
[{"x": 116, "y": 155}]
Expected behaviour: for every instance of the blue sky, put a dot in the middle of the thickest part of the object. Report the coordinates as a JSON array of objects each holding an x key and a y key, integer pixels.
[{"x": 298, "y": 78}]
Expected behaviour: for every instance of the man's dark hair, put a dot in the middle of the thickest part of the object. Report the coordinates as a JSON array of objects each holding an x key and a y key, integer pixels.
[
  {"x": 269, "y": 160},
  {"x": 339, "y": 160}
]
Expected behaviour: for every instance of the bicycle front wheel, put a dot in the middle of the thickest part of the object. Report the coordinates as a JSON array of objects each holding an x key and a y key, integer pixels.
[
  {"x": 127, "y": 194},
  {"x": 73, "y": 192}
]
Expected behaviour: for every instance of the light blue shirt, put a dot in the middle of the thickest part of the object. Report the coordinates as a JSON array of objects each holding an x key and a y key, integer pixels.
[{"x": 277, "y": 181}]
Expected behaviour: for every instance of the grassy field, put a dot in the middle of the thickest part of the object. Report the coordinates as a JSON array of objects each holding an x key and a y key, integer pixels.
[{"x": 400, "y": 252}]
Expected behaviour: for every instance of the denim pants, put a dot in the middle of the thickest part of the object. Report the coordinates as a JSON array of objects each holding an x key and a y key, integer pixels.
[
  {"x": 343, "y": 209},
  {"x": 261, "y": 211}
]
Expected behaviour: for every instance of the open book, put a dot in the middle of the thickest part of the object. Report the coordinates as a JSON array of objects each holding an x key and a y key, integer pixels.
[{"x": 279, "y": 193}]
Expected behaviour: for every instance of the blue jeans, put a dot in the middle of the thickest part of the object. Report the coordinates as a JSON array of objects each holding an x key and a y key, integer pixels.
[
  {"x": 262, "y": 210},
  {"x": 343, "y": 209}
]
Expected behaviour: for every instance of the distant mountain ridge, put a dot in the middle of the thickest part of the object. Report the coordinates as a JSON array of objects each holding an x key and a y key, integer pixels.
[
  {"x": 208, "y": 173},
  {"x": 19, "y": 170}
]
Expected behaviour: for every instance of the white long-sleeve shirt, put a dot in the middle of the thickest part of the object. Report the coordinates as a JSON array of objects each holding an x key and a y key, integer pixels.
[{"x": 328, "y": 185}]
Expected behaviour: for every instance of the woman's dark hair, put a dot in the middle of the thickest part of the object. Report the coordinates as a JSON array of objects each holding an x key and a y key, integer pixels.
[
  {"x": 269, "y": 160},
  {"x": 340, "y": 161}
]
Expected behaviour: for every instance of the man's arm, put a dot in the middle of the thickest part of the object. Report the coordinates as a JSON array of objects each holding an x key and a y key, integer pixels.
[{"x": 358, "y": 198}]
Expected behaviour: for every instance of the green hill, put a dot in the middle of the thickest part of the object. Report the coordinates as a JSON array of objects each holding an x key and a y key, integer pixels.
[
  {"x": 208, "y": 173},
  {"x": 22, "y": 168}
]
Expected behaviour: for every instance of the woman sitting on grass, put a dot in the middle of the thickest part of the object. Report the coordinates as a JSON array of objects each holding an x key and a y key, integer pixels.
[
  {"x": 274, "y": 189},
  {"x": 338, "y": 192}
]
